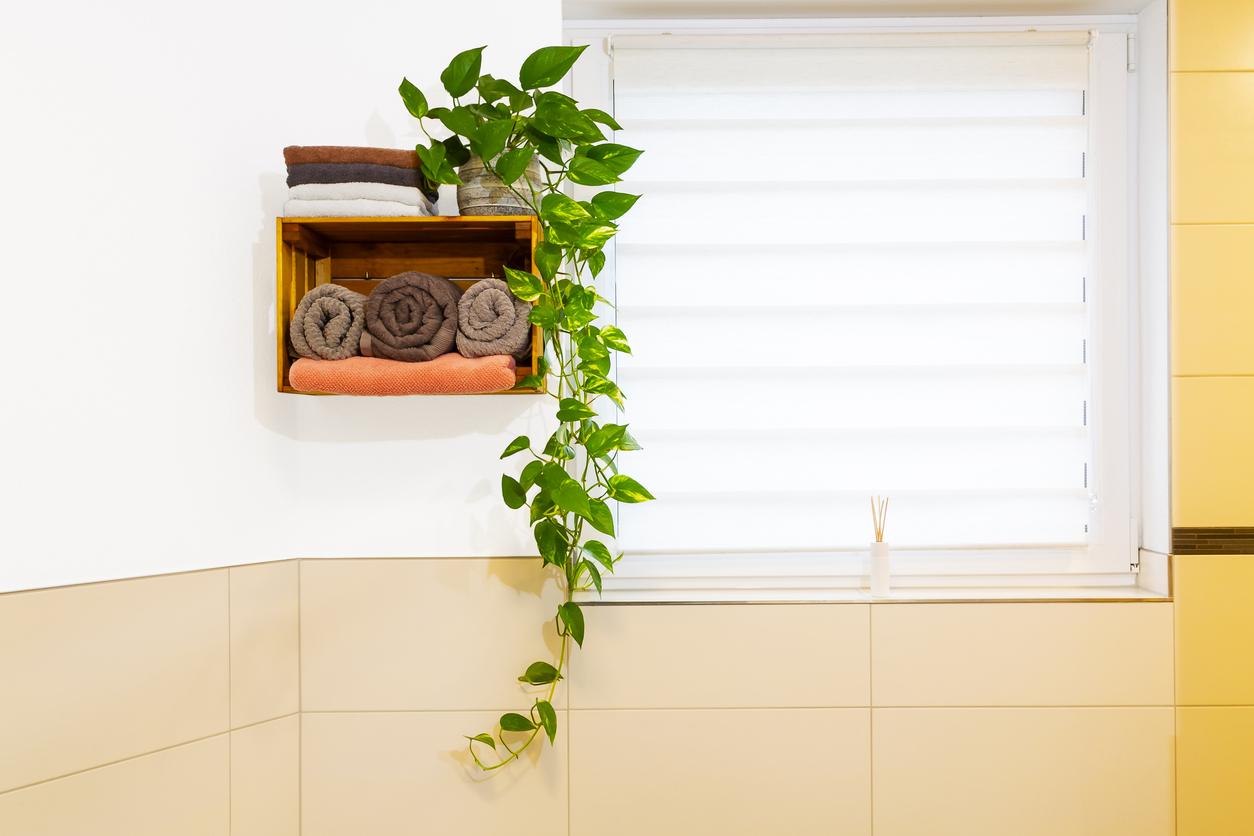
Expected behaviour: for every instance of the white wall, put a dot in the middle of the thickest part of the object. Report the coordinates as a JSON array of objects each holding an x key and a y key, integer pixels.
[{"x": 143, "y": 170}]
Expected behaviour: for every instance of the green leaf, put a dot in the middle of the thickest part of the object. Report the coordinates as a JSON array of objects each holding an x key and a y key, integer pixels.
[
  {"x": 489, "y": 139},
  {"x": 550, "y": 540},
  {"x": 548, "y": 718},
  {"x": 545, "y": 67},
  {"x": 554, "y": 97},
  {"x": 558, "y": 450},
  {"x": 515, "y": 496},
  {"x": 513, "y": 164},
  {"x": 595, "y": 365},
  {"x": 572, "y": 617},
  {"x": 595, "y": 234},
  {"x": 595, "y": 262},
  {"x": 529, "y": 474},
  {"x": 548, "y": 260},
  {"x": 570, "y": 496},
  {"x": 617, "y": 158},
  {"x": 548, "y": 147},
  {"x": 605, "y": 439},
  {"x": 598, "y": 550},
  {"x": 517, "y": 445},
  {"x": 571, "y": 409},
  {"x": 546, "y": 316},
  {"x": 559, "y": 207},
  {"x": 625, "y": 489},
  {"x": 462, "y": 72},
  {"x": 539, "y": 673},
  {"x": 563, "y": 120},
  {"x": 432, "y": 157},
  {"x": 602, "y": 386},
  {"x": 516, "y": 722},
  {"x": 552, "y": 474},
  {"x": 483, "y": 738},
  {"x": 593, "y": 572},
  {"x": 491, "y": 89},
  {"x": 531, "y": 381},
  {"x": 602, "y": 518},
  {"x": 587, "y": 172},
  {"x": 525, "y": 286},
  {"x": 459, "y": 120},
  {"x": 615, "y": 339},
  {"x": 415, "y": 102},
  {"x": 541, "y": 506},
  {"x": 455, "y": 152},
  {"x": 629, "y": 443},
  {"x": 612, "y": 205},
  {"x": 602, "y": 117}
]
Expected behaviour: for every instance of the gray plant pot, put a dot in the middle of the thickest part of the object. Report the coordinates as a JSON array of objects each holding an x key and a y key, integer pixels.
[{"x": 483, "y": 193}]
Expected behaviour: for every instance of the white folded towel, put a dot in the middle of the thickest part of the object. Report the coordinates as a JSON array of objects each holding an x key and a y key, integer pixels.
[
  {"x": 359, "y": 191},
  {"x": 352, "y": 209}
]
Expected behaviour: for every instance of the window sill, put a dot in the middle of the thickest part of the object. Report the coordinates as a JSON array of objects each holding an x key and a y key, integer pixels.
[{"x": 947, "y": 595}]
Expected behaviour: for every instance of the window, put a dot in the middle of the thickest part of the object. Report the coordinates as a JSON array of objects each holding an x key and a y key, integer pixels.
[{"x": 872, "y": 263}]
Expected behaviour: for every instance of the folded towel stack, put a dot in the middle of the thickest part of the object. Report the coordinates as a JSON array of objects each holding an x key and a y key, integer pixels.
[
  {"x": 341, "y": 181},
  {"x": 403, "y": 339}
]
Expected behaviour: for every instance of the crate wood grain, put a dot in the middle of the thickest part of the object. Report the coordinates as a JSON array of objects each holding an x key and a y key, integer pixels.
[{"x": 358, "y": 253}]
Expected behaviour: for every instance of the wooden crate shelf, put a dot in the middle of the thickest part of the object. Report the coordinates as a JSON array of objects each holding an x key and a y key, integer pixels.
[{"x": 358, "y": 253}]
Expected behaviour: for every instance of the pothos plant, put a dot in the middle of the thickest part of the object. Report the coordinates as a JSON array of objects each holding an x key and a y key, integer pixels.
[{"x": 574, "y": 472}]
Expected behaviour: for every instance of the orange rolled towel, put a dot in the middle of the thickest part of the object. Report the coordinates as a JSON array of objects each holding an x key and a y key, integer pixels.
[{"x": 449, "y": 374}]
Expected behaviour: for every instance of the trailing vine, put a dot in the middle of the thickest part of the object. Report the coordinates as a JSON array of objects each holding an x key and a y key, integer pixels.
[{"x": 569, "y": 479}]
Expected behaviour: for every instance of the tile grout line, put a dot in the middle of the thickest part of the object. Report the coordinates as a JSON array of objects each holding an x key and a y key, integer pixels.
[
  {"x": 137, "y": 757},
  {"x": 230, "y": 714},
  {"x": 870, "y": 712},
  {"x": 300, "y": 705}
]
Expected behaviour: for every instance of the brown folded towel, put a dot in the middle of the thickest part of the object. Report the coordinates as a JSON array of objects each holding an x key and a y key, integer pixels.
[
  {"x": 304, "y": 173},
  {"x": 298, "y": 154},
  {"x": 411, "y": 317}
]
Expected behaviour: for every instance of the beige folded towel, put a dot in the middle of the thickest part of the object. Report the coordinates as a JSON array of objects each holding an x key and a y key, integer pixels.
[
  {"x": 353, "y": 209},
  {"x": 360, "y": 191}
]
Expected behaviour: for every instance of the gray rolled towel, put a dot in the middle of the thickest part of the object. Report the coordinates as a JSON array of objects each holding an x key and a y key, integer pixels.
[
  {"x": 411, "y": 317},
  {"x": 328, "y": 322},
  {"x": 492, "y": 320}
]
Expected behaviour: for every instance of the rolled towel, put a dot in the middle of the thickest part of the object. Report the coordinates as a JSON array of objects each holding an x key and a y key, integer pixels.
[
  {"x": 298, "y": 175},
  {"x": 328, "y": 322},
  {"x": 411, "y": 317},
  {"x": 451, "y": 374},
  {"x": 359, "y": 191},
  {"x": 492, "y": 320},
  {"x": 353, "y": 209},
  {"x": 299, "y": 154}
]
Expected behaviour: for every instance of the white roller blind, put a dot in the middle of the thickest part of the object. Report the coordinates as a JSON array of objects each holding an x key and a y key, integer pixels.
[{"x": 859, "y": 266}]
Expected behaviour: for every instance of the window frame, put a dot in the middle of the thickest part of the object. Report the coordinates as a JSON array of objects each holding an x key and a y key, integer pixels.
[{"x": 1112, "y": 558}]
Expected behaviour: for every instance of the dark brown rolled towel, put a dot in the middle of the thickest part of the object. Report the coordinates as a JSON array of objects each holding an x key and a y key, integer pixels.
[
  {"x": 327, "y": 323},
  {"x": 298, "y": 154},
  {"x": 411, "y": 317}
]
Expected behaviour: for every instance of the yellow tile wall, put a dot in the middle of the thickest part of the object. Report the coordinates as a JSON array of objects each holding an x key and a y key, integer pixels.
[{"x": 1212, "y": 311}]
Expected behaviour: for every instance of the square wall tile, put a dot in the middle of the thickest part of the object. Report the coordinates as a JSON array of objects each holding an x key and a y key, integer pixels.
[
  {"x": 396, "y": 635},
  {"x": 1212, "y": 451},
  {"x": 1212, "y": 127},
  {"x": 716, "y": 657},
  {"x": 182, "y": 791},
  {"x": 1215, "y": 771},
  {"x": 1211, "y": 35},
  {"x": 1023, "y": 771},
  {"x": 97, "y": 673},
  {"x": 1214, "y": 629},
  {"x": 265, "y": 642},
  {"x": 731, "y": 772},
  {"x": 401, "y": 773},
  {"x": 1022, "y": 654},
  {"x": 265, "y": 779},
  {"x": 1212, "y": 298}
]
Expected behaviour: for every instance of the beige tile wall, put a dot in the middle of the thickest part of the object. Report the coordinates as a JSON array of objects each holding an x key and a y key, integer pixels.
[{"x": 832, "y": 719}]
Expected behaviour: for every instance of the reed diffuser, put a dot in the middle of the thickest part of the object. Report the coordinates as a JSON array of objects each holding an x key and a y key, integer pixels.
[{"x": 879, "y": 549}]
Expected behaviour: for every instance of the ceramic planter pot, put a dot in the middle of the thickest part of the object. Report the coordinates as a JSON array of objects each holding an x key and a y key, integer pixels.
[{"x": 483, "y": 193}]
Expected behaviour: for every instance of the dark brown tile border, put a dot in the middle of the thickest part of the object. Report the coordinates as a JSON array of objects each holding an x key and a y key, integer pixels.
[{"x": 1224, "y": 540}]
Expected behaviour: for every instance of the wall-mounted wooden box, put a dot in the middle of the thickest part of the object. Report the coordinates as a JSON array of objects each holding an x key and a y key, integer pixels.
[{"x": 358, "y": 253}]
